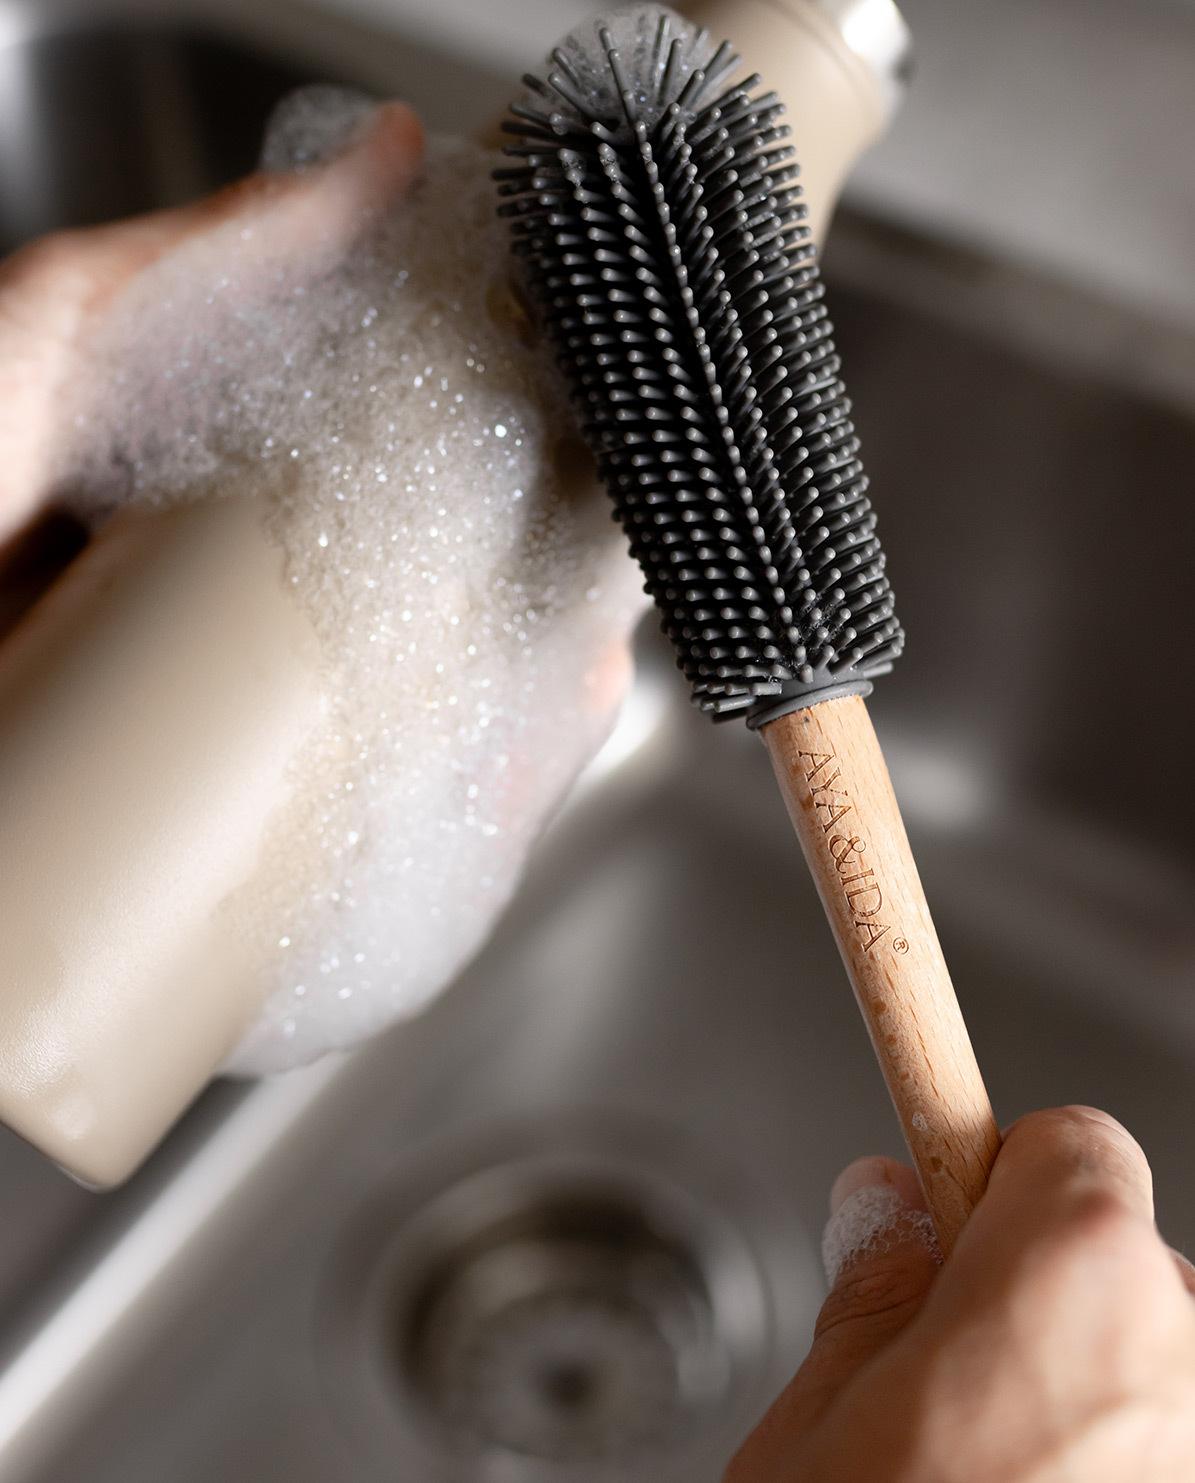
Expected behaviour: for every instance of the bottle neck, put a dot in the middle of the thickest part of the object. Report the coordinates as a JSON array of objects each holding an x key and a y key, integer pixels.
[{"x": 837, "y": 65}]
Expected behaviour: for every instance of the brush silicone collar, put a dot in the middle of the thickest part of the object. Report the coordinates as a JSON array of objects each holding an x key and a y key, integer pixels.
[{"x": 784, "y": 705}]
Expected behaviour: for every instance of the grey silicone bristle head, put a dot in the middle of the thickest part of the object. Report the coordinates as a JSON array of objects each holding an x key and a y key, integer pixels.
[{"x": 663, "y": 234}]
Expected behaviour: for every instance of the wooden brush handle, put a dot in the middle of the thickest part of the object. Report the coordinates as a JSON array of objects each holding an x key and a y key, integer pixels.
[{"x": 832, "y": 774}]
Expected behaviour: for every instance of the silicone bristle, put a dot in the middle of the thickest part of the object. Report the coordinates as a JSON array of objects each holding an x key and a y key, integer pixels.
[{"x": 665, "y": 244}]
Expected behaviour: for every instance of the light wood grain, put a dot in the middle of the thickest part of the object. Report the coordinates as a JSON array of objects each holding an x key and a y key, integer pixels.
[{"x": 834, "y": 780}]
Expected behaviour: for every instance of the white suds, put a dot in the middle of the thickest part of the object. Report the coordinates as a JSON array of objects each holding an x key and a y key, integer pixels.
[
  {"x": 376, "y": 395},
  {"x": 312, "y": 124},
  {"x": 872, "y": 1220}
]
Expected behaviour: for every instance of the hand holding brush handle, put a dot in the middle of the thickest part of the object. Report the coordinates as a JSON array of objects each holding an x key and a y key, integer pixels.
[
  {"x": 655, "y": 208},
  {"x": 1057, "y": 1342}
]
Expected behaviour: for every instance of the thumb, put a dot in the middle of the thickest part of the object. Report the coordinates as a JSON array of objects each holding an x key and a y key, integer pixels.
[
  {"x": 881, "y": 1258},
  {"x": 880, "y": 1255}
]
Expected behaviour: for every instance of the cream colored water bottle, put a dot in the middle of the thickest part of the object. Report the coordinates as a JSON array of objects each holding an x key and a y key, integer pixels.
[{"x": 152, "y": 702}]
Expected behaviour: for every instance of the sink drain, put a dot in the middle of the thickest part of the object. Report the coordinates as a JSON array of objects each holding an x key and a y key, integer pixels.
[
  {"x": 552, "y": 1318},
  {"x": 571, "y": 1330}
]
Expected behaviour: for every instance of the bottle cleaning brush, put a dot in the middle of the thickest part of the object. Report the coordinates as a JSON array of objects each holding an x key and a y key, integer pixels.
[{"x": 655, "y": 207}]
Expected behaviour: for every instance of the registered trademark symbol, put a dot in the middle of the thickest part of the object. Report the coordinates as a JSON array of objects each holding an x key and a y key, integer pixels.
[{"x": 900, "y": 945}]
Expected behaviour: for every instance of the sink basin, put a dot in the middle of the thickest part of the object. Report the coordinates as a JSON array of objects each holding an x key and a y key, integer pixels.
[{"x": 564, "y": 1226}]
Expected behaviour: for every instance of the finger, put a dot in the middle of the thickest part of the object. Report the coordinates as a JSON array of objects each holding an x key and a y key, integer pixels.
[
  {"x": 881, "y": 1258},
  {"x": 279, "y": 212},
  {"x": 1059, "y": 1291},
  {"x": 72, "y": 272},
  {"x": 334, "y": 202},
  {"x": 1056, "y": 1155},
  {"x": 53, "y": 290},
  {"x": 1055, "y": 1168},
  {"x": 1068, "y": 1215}
]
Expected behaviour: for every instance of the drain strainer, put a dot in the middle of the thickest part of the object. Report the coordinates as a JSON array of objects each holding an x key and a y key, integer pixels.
[
  {"x": 570, "y": 1330},
  {"x": 552, "y": 1318}
]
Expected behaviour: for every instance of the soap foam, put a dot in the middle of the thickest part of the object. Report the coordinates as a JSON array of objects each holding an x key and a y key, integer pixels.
[
  {"x": 381, "y": 400},
  {"x": 312, "y": 124},
  {"x": 870, "y": 1222}
]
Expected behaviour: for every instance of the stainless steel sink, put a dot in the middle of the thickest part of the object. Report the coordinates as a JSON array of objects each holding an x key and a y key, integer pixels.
[{"x": 564, "y": 1226}]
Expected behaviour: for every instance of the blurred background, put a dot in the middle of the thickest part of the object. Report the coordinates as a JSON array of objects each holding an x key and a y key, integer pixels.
[{"x": 565, "y": 1226}]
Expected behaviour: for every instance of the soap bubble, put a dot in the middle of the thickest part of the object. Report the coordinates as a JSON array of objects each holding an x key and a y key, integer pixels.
[
  {"x": 312, "y": 124},
  {"x": 467, "y": 596}
]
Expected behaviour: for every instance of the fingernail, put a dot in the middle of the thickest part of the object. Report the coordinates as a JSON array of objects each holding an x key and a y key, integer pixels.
[
  {"x": 874, "y": 1208},
  {"x": 313, "y": 125}
]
